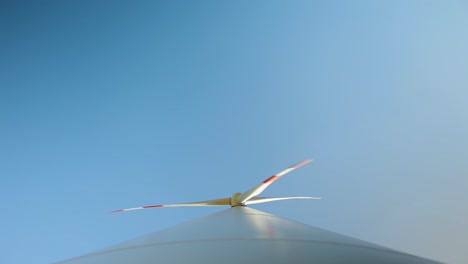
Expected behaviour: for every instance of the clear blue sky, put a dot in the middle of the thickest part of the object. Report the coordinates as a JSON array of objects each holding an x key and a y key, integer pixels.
[{"x": 111, "y": 104}]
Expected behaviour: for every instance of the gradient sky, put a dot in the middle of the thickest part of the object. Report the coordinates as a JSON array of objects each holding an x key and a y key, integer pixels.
[{"x": 113, "y": 104}]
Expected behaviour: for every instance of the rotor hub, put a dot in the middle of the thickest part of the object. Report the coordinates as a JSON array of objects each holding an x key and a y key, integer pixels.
[{"x": 234, "y": 201}]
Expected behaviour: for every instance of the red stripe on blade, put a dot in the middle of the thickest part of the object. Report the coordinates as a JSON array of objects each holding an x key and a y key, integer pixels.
[
  {"x": 153, "y": 206},
  {"x": 271, "y": 179},
  {"x": 116, "y": 211},
  {"x": 297, "y": 165}
]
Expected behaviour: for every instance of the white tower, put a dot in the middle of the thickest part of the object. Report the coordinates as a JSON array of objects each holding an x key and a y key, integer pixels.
[{"x": 245, "y": 235}]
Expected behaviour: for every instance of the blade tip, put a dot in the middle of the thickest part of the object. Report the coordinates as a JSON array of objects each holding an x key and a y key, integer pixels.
[{"x": 304, "y": 162}]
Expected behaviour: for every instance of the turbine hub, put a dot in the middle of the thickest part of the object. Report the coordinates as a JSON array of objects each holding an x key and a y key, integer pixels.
[{"x": 234, "y": 201}]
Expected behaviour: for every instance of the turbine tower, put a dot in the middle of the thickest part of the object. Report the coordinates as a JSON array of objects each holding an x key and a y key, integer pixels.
[{"x": 244, "y": 235}]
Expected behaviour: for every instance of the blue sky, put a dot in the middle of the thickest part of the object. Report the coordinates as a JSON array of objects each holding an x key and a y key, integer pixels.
[{"x": 113, "y": 104}]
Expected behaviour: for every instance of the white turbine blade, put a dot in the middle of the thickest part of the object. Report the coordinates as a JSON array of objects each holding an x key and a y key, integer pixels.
[
  {"x": 221, "y": 201},
  {"x": 256, "y": 200},
  {"x": 262, "y": 186}
]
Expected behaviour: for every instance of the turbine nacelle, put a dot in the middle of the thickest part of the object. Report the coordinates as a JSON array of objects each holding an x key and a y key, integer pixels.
[
  {"x": 234, "y": 201},
  {"x": 238, "y": 199}
]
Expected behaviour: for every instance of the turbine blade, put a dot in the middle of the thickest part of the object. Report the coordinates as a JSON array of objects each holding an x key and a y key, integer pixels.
[
  {"x": 256, "y": 200},
  {"x": 262, "y": 186},
  {"x": 221, "y": 201}
]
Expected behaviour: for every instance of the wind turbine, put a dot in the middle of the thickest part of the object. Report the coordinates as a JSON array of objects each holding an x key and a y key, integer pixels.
[
  {"x": 244, "y": 235},
  {"x": 237, "y": 199}
]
